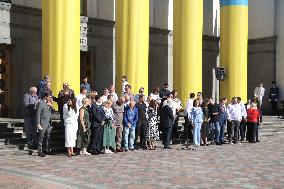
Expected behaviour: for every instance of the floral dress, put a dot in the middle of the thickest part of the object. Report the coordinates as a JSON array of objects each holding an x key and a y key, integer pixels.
[{"x": 152, "y": 131}]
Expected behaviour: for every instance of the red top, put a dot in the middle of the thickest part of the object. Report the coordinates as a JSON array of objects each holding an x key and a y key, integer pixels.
[{"x": 252, "y": 115}]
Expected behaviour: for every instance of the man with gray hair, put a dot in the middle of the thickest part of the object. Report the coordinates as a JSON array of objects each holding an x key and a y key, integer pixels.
[{"x": 29, "y": 114}]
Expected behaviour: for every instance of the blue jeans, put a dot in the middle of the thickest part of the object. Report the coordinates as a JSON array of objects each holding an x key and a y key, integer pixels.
[
  {"x": 196, "y": 133},
  {"x": 129, "y": 135},
  {"x": 215, "y": 131},
  {"x": 222, "y": 124}
]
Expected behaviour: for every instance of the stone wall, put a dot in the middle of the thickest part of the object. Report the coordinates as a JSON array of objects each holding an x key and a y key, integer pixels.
[
  {"x": 25, "y": 28},
  {"x": 261, "y": 66}
]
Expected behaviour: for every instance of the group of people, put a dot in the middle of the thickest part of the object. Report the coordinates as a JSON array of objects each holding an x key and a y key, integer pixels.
[{"x": 111, "y": 123}]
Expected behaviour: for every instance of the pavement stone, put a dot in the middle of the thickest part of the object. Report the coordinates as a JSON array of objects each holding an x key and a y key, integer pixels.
[{"x": 245, "y": 165}]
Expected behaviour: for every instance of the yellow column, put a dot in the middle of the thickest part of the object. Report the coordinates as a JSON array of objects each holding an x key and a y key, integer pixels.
[
  {"x": 61, "y": 42},
  {"x": 132, "y": 43},
  {"x": 187, "y": 35},
  {"x": 233, "y": 47}
]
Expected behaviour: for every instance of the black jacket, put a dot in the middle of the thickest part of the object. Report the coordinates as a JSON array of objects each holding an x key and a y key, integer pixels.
[
  {"x": 167, "y": 117},
  {"x": 97, "y": 115}
]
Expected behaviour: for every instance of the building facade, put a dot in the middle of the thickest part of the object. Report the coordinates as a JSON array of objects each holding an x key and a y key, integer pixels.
[{"x": 21, "y": 37}]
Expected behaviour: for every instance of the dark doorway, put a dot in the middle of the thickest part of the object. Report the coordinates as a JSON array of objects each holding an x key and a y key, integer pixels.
[{"x": 87, "y": 67}]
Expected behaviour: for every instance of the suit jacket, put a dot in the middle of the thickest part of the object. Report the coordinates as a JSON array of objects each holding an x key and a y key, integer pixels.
[
  {"x": 29, "y": 105},
  {"x": 97, "y": 115},
  {"x": 167, "y": 116},
  {"x": 274, "y": 93},
  {"x": 43, "y": 113}
]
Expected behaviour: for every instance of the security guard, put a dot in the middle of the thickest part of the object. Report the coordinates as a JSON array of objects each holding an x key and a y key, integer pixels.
[{"x": 273, "y": 98}]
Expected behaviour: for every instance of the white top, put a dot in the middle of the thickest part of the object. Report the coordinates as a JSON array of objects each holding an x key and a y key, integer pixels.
[
  {"x": 114, "y": 96},
  {"x": 70, "y": 116},
  {"x": 189, "y": 106},
  {"x": 156, "y": 97},
  {"x": 177, "y": 103},
  {"x": 234, "y": 112},
  {"x": 243, "y": 109},
  {"x": 259, "y": 92},
  {"x": 104, "y": 98},
  {"x": 123, "y": 86},
  {"x": 79, "y": 98}
]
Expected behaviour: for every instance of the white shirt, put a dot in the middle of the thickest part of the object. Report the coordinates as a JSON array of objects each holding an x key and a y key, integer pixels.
[
  {"x": 189, "y": 106},
  {"x": 104, "y": 98},
  {"x": 259, "y": 92},
  {"x": 123, "y": 86},
  {"x": 177, "y": 103},
  {"x": 234, "y": 112},
  {"x": 243, "y": 110},
  {"x": 114, "y": 96},
  {"x": 156, "y": 97},
  {"x": 79, "y": 98}
]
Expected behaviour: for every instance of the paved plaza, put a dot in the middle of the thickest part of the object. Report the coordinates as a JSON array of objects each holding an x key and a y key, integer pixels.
[{"x": 259, "y": 165}]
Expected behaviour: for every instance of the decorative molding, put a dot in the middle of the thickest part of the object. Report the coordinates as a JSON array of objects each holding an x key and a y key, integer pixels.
[
  {"x": 25, "y": 10},
  {"x": 83, "y": 33},
  {"x": 101, "y": 22},
  {"x": 5, "y": 36},
  {"x": 271, "y": 39},
  {"x": 5, "y": 6}
]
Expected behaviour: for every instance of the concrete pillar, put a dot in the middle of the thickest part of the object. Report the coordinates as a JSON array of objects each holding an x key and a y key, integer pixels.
[
  {"x": 233, "y": 47},
  {"x": 187, "y": 44},
  {"x": 132, "y": 43},
  {"x": 61, "y": 42},
  {"x": 280, "y": 49}
]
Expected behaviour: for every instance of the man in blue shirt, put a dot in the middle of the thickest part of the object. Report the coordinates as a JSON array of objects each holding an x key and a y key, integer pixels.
[
  {"x": 130, "y": 119},
  {"x": 86, "y": 84}
]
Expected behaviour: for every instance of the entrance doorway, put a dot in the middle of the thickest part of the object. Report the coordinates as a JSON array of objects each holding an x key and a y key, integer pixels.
[
  {"x": 5, "y": 80},
  {"x": 87, "y": 67}
]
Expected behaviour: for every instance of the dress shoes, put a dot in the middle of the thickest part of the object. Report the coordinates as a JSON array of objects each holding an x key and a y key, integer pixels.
[
  {"x": 119, "y": 150},
  {"x": 40, "y": 154}
]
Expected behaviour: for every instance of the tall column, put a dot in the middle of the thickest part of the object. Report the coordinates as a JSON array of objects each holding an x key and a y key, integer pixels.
[
  {"x": 132, "y": 43},
  {"x": 187, "y": 31},
  {"x": 61, "y": 42},
  {"x": 234, "y": 47}
]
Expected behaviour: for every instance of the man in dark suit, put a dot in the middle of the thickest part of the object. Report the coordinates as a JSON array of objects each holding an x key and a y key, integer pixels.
[
  {"x": 43, "y": 115},
  {"x": 273, "y": 98},
  {"x": 29, "y": 114},
  {"x": 97, "y": 122},
  {"x": 167, "y": 120},
  {"x": 141, "y": 127}
]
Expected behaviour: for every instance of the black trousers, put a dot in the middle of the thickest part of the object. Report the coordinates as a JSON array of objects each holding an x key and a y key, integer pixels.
[
  {"x": 243, "y": 126},
  {"x": 251, "y": 131},
  {"x": 256, "y": 132},
  {"x": 234, "y": 131},
  {"x": 141, "y": 131},
  {"x": 97, "y": 140},
  {"x": 167, "y": 136},
  {"x": 273, "y": 108}
]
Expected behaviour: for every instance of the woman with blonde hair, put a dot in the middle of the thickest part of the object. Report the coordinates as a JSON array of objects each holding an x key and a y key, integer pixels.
[
  {"x": 84, "y": 127},
  {"x": 253, "y": 117},
  {"x": 109, "y": 128}
]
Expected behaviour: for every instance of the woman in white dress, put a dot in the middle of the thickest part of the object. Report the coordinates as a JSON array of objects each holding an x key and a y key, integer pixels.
[{"x": 70, "y": 116}]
